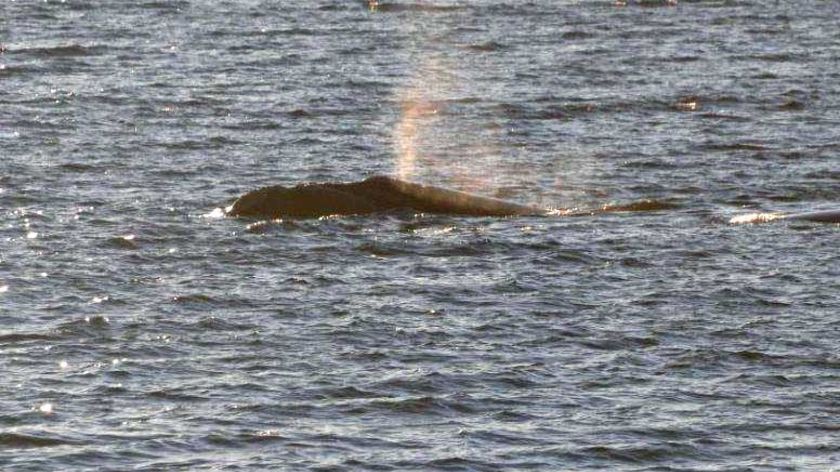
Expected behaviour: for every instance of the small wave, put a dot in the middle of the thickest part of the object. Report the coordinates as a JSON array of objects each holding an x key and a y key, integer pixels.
[
  {"x": 778, "y": 57},
  {"x": 646, "y": 3},
  {"x": 358, "y": 84},
  {"x": 490, "y": 46},
  {"x": 756, "y": 356},
  {"x": 251, "y": 125},
  {"x": 70, "y": 50},
  {"x": 123, "y": 242},
  {"x": 697, "y": 102},
  {"x": 683, "y": 59},
  {"x": 577, "y": 34},
  {"x": 620, "y": 343},
  {"x": 641, "y": 205},
  {"x": 215, "y": 213},
  {"x": 649, "y": 164},
  {"x": 299, "y": 113},
  {"x": 550, "y": 112},
  {"x": 690, "y": 103},
  {"x": 792, "y": 105},
  {"x": 346, "y": 393},
  {"x": 90, "y": 327},
  {"x": 687, "y": 103},
  {"x": 263, "y": 226},
  {"x": 725, "y": 116},
  {"x": 640, "y": 454},
  {"x": 10, "y": 338},
  {"x": 735, "y": 147},
  {"x": 214, "y": 142},
  {"x": 194, "y": 298},
  {"x": 266, "y": 226},
  {"x": 168, "y": 6},
  {"x": 379, "y": 250},
  {"x": 77, "y": 167},
  {"x": 511, "y": 416},
  {"x": 508, "y": 438},
  {"x": 634, "y": 262},
  {"x": 9, "y": 71},
  {"x": 420, "y": 405},
  {"x": 293, "y": 32},
  {"x": 377, "y": 6},
  {"x": 458, "y": 463},
  {"x": 213, "y": 323},
  {"x": 175, "y": 395},
  {"x": 765, "y": 76},
  {"x": 25, "y": 441}
]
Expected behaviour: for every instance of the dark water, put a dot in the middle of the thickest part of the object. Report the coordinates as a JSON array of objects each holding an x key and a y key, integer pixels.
[{"x": 140, "y": 331}]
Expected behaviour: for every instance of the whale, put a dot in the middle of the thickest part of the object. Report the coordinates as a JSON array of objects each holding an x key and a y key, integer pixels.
[
  {"x": 382, "y": 194},
  {"x": 377, "y": 194},
  {"x": 825, "y": 216}
]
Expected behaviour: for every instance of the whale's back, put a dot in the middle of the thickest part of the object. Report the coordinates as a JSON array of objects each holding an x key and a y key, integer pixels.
[
  {"x": 826, "y": 216},
  {"x": 375, "y": 194}
]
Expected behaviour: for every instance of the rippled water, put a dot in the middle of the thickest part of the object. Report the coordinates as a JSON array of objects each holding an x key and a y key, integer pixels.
[{"x": 141, "y": 332}]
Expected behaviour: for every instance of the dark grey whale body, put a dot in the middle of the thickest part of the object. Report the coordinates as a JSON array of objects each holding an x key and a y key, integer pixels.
[
  {"x": 827, "y": 216},
  {"x": 382, "y": 194},
  {"x": 373, "y": 195}
]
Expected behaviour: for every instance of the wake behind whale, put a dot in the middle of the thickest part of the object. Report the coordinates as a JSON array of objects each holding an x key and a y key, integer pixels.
[{"x": 381, "y": 194}]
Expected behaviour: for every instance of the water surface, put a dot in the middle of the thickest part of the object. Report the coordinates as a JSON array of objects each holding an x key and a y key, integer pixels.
[{"x": 140, "y": 332}]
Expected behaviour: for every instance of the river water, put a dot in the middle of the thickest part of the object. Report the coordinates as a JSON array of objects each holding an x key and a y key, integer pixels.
[{"x": 139, "y": 330}]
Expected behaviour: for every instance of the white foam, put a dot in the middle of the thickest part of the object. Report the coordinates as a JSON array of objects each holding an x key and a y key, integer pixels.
[{"x": 755, "y": 218}]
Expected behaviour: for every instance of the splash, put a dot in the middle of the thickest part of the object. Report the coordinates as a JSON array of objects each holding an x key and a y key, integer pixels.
[
  {"x": 437, "y": 139},
  {"x": 755, "y": 218},
  {"x": 217, "y": 213},
  {"x": 451, "y": 128},
  {"x": 419, "y": 111},
  {"x": 414, "y": 118}
]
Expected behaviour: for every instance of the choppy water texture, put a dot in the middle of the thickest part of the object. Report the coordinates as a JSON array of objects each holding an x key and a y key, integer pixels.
[{"x": 139, "y": 331}]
